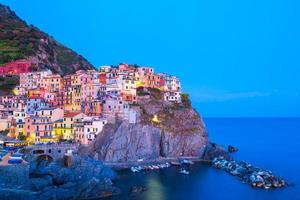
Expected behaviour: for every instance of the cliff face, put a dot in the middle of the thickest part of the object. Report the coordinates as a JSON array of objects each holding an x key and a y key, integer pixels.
[
  {"x": 179, "y": 132},
  {"x": 19, "y": 40}
]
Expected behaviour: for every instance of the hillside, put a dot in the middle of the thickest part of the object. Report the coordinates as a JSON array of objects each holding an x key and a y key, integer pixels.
[{"x": 19, "y": 40}]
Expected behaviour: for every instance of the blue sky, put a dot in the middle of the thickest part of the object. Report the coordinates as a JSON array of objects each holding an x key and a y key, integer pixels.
[{"x": 235, "y": 58}]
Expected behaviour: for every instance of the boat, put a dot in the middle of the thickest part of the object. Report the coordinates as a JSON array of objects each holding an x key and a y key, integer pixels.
[
  {"x": 155, "y": 166},
  {"x": 136, "y": 169},
  {"x": 185, "y": 161},
  {"x": 15, "y": 160},
  {"x": 17, "y": 155},
  {"x": 175, "y": 163},
  {"x": 184, "y": 171}
]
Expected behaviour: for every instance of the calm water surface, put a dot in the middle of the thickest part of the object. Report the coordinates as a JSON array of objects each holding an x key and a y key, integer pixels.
[{"x": 267, "y": 143}]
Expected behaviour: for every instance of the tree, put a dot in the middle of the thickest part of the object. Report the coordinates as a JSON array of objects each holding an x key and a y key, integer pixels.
[{"x": 21, "y": 137}]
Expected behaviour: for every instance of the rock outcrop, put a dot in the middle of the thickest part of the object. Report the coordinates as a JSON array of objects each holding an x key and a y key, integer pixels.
[
  {"x": 84, "y": 179},
  {"x": 249, "y": 174},
  {"x": 180, "y": 132},
  {"x": 214, "y": 150}
]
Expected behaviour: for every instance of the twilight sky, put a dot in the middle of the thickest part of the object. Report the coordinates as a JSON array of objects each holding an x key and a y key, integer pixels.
[{"x": 235, "y": 58}]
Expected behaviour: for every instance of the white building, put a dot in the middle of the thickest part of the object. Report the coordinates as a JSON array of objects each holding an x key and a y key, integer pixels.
[
  {"x": 88, "y": 128},
  {"x": 172, "y": 97},
  {"x": 53, "y": 113},
  {"x": 114, "y": 108}
]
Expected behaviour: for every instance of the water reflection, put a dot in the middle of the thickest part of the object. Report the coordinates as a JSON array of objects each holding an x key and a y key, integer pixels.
[
  {"x": 155, "y": 188},
  {"x": 205, "y": 182}
]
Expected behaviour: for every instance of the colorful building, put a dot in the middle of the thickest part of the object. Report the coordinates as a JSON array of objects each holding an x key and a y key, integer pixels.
[
  {"x": 16, "y": 67},
  {"x": 39, "y": 129},
  {"x": 87, "y": 129}
]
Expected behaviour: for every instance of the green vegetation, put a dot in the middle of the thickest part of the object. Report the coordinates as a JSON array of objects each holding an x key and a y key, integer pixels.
[
  {"x": 156, "y": 93},
  {"x": 5, "y": 132},
  {"x": 141, "y": 93},
  {"x": 8, "y": 52},
  {"x": 135, "y": 104},
  {"x": 185, "y": 98},
  {"x": 8, "y": 83},
  {"x": 19, "y": 40},
  {"x": 21, "y": 137},
  {"x": 24, "y": 150}
]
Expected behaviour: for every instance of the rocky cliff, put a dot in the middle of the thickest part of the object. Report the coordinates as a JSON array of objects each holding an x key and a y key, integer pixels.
[
  {"x": 19, "y": 40},
  {"x": 178, "y": 131},
  {"x": 84, "y": 179}
]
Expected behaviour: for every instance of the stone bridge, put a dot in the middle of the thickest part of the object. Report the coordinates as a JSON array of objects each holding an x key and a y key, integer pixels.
[{"x": 51, "y": 151}]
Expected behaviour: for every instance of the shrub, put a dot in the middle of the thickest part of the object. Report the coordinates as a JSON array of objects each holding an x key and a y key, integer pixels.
[
  {"x": 21, "y": 137},
  {"x": 185, "y": 98}
]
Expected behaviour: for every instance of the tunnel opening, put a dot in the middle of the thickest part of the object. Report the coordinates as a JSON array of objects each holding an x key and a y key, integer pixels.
[{"x": 46, "y": 159}]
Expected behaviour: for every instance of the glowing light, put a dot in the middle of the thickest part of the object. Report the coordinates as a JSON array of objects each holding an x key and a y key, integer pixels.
[{"x": 155, "y": 119}]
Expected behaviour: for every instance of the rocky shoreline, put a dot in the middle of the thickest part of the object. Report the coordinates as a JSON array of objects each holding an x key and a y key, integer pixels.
[
  {"x": 89, "y": 178},
  {"x": 85, "y": 178},
  {"x": 249, "y": 174}
]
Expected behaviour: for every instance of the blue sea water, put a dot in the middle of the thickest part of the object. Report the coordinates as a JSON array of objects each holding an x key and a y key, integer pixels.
[{"x": 269, "y": 143}]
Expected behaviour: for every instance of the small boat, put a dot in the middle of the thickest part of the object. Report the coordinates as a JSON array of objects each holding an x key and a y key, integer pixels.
[
  {"x": 185, "y": 161},
  {"x": 15, "y": 160},
  {"x": 155, "y": 166},
  {"x": 183, "y": 171},
  {"x": 175, "y": 163},
  {"x": 136, "y": 169},
  {"x": 16, "y": 155}
]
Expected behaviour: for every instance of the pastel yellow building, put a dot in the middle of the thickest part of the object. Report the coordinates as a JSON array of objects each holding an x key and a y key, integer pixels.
[{"x": 63, "y": 128}]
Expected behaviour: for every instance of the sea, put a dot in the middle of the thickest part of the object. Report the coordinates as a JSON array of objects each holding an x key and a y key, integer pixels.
[{"x": 268, "y": 143}]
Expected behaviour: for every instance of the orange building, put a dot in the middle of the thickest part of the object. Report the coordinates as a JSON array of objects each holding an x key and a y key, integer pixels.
[{"x": 102, "y": 78}]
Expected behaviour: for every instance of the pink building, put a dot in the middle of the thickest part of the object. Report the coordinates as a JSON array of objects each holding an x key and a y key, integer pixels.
[
  {"x": 38, "y": 128},
  {"x": 16, "y": 67}
]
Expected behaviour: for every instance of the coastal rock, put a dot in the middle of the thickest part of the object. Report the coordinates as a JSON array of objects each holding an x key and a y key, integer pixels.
[
  {"x": 129, "y": 143},
  {"x": 16, "y": 194},
  {"x": 213, "y": 151},
  {"x": 84, "y": 179},
  {"x": 253, "y": 176},
  {"x": 232, "y": 149},
  {"x": 191, "y": 144},
  {"x": 40, "y": 183},
  {"x": 178, "y": 132}
]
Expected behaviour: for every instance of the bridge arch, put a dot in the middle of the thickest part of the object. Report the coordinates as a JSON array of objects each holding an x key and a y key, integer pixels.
[
  {"x": 44, "y": 157},
  {"x": 38, "y": 151}
]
